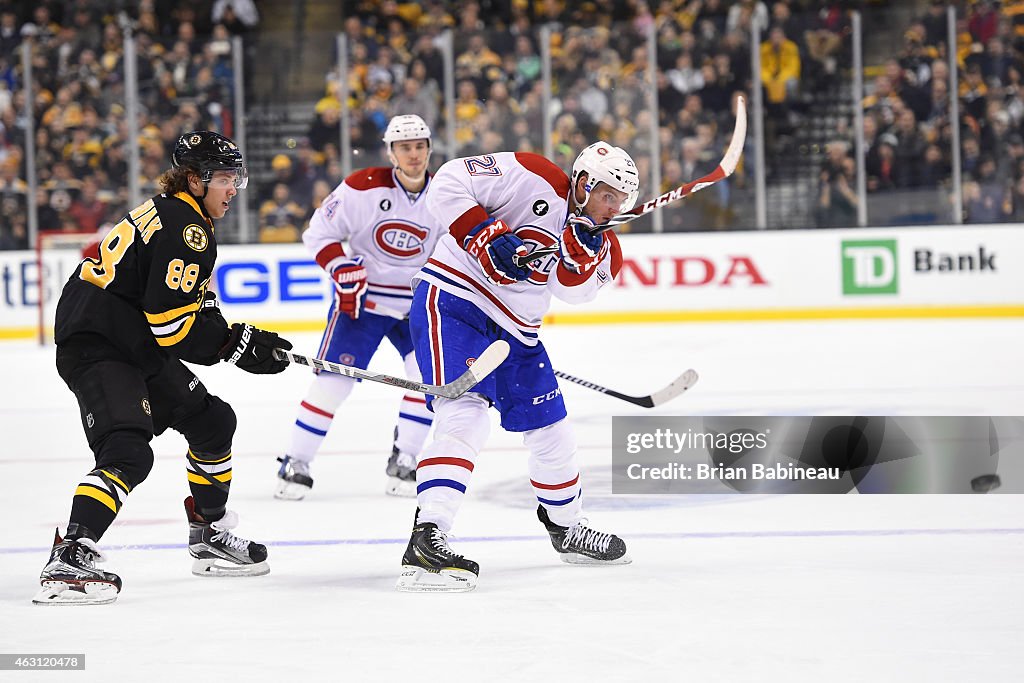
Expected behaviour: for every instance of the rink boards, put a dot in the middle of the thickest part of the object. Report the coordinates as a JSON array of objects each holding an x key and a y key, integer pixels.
[{"x": 933, "y": 272}]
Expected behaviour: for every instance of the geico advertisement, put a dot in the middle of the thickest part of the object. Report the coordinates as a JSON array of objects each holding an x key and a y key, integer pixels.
[{"x": 270, "y": 282}]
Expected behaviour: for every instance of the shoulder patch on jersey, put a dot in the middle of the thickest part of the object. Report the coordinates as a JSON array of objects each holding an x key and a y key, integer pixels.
[
  {"x": 195, "y": 237},
  {"x": 540, "y": 207},
  {"x": 329, "y": 206},
  {"x": 546, "y": 169},
  {"x": 370, "y": 178}
]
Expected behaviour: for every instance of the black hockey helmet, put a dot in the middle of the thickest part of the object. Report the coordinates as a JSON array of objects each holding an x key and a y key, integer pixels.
[{"x": 206, "y": 152}]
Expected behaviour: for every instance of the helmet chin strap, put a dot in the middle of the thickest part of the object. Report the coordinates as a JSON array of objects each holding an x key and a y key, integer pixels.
[
  {"x": 202, "y": 199},
  {"x": 586, "y": 195},
  {"x": 206, "y": 187},
  {"x": 406, "y": 175}
]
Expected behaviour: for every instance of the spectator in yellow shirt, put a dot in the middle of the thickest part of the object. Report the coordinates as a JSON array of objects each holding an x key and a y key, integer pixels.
[
  {"x": 780, "y": 66},
  {"x": 280, "y": 217}
]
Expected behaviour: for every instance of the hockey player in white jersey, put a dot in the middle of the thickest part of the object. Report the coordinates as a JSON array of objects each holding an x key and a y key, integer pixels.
[
  {"x": 381, "y": 214},
  {"x": 470, "y": 292}
]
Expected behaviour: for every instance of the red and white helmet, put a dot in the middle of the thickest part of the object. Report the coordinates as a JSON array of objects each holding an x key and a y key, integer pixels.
[
  {"x": 610, "y": 165},
  {"x": 406, "y": 127}
]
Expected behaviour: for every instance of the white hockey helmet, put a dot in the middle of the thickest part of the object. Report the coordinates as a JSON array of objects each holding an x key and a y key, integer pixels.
[
  {"x": 406, "y": 127},
  {"x": 611, "y": 165}
]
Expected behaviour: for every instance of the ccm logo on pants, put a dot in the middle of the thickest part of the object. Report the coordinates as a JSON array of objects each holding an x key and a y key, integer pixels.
[{"x": 537, "y": 400}]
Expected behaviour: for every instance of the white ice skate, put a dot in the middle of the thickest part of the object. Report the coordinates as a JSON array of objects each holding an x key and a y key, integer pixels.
[
  {"x": 293, "y": 479},
  {"x": 401, "y": 473}
]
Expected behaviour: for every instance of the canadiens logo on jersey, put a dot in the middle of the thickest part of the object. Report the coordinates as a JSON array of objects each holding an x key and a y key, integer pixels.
[
  {"x": 401, "y": 239},
  {"x": 538, "y": 238},
  {"x": 195, "y": 237}
]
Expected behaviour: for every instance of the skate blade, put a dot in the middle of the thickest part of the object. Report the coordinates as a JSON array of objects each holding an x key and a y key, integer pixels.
[
  {"x": 62, "y": 593},
  {"x": 289, "y": 490},
  {"x": 400, "y": 487},
  {"x": 419, "y": 580},
  {"x": 222, "y": 568},
  {"x": 576, "y": 558}
]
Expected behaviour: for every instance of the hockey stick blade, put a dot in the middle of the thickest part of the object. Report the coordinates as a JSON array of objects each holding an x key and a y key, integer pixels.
[
  {"x": 677, "y": 387},
  {"x": 485, "y": 364},
  {"x": 726, "y": 167}
]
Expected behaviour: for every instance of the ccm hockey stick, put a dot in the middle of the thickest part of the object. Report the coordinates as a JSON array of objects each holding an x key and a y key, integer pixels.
[
  {"x": 678, "y": 386},
  {"x": 725, "y": 168},
  {"x": 484, "y": 365}
]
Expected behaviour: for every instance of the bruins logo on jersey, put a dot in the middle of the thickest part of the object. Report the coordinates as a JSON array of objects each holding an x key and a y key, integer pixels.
[
  {"x": 195, "y": 140},
  {"x": 195, "y": 237}
]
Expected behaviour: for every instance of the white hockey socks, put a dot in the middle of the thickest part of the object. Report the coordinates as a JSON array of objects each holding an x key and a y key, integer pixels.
[
  {"x": 555, "y": 471},
  {"x": 316, "y": 413},
  {"x": 461, "y": 428}
]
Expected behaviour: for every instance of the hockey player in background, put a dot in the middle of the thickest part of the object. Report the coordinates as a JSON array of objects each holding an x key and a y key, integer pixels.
[
  {"x": 382, "y": 215},
  {"x": 471, "y": 292},
  {"x": 124, "y": 323}
]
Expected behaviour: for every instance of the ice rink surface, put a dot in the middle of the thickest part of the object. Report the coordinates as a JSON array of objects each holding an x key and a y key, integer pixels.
[{"x": 722, "y": 588}]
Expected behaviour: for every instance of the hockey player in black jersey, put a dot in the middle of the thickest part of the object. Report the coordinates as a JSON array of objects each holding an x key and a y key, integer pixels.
[{"x": 124, "y": 324}]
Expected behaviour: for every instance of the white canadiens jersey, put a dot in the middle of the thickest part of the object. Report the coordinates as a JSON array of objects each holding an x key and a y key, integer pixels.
[
  {"x": 393, "y": 232},
  {"x": 530, "y": 194}
]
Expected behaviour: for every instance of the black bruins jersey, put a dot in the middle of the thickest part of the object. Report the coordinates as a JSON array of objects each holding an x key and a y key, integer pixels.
[{"x": 144, "y": 295}]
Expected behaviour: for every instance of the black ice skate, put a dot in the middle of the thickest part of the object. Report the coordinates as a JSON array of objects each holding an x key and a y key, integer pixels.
[
  {"x": 401, "y": 473},
  {"x": 293, "y": 480},
  {"x": 71, "y": 577},
  {"x": 579, "y": 544},
  {"x": 218, "y": 552},
  {"x": 430, "y": 565}
]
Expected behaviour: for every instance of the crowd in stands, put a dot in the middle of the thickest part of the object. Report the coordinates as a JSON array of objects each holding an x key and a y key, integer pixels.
[
  {"x": 907, "y": 128},
  {"x": 599, "y": 70},
  {"x": 185, "y": 80}
]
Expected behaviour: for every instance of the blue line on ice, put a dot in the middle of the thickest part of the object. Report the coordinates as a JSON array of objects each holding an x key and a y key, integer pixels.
[{"x": 675, "y": 535}]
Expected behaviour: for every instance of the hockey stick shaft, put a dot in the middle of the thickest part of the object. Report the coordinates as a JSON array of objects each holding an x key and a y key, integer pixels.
[
  {"x": 677, "y": 387},
  {"x": 725, "y": 168},
  {"x": 484, "y": 364}
]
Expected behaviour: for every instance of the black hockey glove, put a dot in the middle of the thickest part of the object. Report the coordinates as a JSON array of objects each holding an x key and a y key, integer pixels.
[
  {"x": 211, "y": 308},
  {"x": 252, "y": 349}
]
